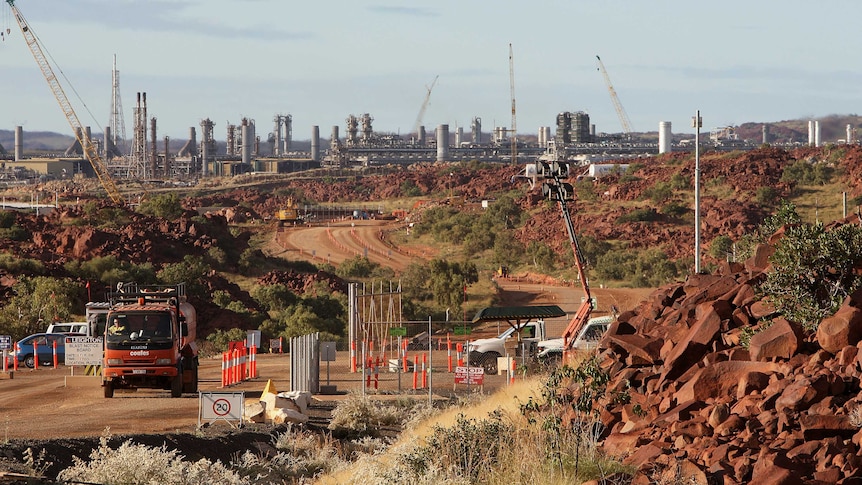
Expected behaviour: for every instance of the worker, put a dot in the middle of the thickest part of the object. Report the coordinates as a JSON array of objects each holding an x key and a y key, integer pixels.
[{"x": 116, "y": 327}]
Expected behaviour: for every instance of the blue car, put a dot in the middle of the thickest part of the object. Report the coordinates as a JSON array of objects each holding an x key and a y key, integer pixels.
[{"x": 44, "y": 349}]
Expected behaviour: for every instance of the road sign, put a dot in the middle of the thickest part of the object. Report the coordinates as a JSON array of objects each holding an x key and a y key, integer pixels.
[
  {"x": 470, "y": 375},
  {"x": 462, "y": 330},
  {"x": 5, "y": 342},
  {"x": 398, "y": 331},
  {"x": 227, "y": 406},
  {"x": 84, "y": 350}
]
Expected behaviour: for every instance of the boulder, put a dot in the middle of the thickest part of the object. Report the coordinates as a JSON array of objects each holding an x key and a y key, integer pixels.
[
  {"x": 841, "y": 329},
  {"x": 780, "y": 340}
]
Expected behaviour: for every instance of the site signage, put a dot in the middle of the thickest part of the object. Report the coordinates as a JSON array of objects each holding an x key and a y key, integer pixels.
[
  {"x": 470, "y": 375},
  {"x": 5, "y": 342},
  {"x": 84, "y": 350}
]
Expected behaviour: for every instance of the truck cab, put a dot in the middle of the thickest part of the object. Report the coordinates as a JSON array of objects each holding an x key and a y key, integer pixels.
[
  {"x": 515, "y": 340},
  {"x": 587, "y": 340}
]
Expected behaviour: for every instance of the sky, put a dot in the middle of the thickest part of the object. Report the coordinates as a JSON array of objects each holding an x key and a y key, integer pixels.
[{"x": 321, "y": 61}]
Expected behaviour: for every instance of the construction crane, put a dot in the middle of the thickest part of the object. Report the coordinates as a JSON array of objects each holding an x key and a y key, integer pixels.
[
  {"x": 89, "y": 148},
  {"x": 424, "y": 106},
  {"x": 621, "y": 112},
  {"x": 514, "y": 137}
]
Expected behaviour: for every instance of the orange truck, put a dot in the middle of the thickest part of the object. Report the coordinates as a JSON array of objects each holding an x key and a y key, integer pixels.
[{"x": 150, "y": 340}]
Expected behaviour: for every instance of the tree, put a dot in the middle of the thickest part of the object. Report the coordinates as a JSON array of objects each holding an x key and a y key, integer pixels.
[
  {"x": 166, "y": 206},
  {"x": 449, "y": 280},
  {"x": 189, "y": 271},
  {"x": 37, "y": 302},
  {"x": 813, "y": 271}
]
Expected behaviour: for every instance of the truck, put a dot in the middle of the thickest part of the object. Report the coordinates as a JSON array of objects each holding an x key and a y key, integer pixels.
[
  {"x": 81, "y": 328},
  {"x": 484, "y": 352},
  {"x": 551, "y": 350},
  {"x": 150, "y": 340}
]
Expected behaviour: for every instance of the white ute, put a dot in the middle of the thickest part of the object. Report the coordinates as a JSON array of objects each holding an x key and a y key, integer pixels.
[{"x": 587, "y": 339}]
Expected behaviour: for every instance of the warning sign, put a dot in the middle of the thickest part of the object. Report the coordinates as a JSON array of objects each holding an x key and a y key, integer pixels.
[{"x": 470, "y": 375}]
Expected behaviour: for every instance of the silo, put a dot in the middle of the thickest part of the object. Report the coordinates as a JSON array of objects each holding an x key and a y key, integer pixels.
[
  {"x": 19, "y": 143},
  {"x": 333, "y": 138},
  {"x": 811, "y": 132},
  {"x": 765, "y": 133},
  {"x": 315, "y": 143},
  {"x": 849, "y": 135},
  {"x": 421, "y": 135},
  {"x": 817, "y": 133},
  {"x": 665, "y": 137},
  {"x": 459, "y": 134},
  {"x": 247, "y": 134},
  {"x": 539, "y": 137},
  {"x": 546, "y": 135},
  {"x": 442, "y": 143}
]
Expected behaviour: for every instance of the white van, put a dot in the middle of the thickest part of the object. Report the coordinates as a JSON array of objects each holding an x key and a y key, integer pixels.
[{"x": 69, "y": 327}]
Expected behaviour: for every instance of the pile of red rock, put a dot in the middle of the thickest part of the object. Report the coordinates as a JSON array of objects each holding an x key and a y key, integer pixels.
[{"x": 686, "y": 396}]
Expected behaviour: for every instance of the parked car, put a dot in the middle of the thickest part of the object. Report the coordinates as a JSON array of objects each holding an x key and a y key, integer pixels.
[{"x": 44, "y": 349}]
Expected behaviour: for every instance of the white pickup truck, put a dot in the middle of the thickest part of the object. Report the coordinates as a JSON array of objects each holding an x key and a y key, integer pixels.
[
  {"x": 484, "y": 352},
  {"x": 587, "y": 339}
]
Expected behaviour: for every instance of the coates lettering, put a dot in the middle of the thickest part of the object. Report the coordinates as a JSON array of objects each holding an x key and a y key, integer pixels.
[{"x": 139, "y": 353}]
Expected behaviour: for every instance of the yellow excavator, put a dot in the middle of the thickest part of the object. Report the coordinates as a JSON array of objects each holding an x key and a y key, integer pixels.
[{"x": 289, "y": 215}]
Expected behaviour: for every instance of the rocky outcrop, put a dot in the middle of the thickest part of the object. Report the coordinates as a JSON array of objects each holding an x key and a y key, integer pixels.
[{"x": 685, "y": 394}]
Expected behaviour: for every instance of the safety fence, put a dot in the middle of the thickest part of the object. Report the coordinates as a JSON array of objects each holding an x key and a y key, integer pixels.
[{"x": 238, "y": 363}]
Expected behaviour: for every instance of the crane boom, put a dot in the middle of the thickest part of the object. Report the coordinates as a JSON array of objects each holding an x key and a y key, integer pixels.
[
  {"x": 514, "y": 137},
  {"x": 81, "y": 135},
  {"x": 621, "y": 112},
  {"x": 560, "y": 191},
  {"x": 424, "y": 106}
]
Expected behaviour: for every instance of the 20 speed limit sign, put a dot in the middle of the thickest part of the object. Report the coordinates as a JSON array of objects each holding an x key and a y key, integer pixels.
[{"x": 221, "y": 405}]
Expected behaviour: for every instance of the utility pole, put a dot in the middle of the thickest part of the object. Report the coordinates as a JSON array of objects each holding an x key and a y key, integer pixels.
[{"x": 697, "y": 122}]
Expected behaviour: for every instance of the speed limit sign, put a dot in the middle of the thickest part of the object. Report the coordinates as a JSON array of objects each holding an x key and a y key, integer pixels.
[{"x": 227, "y": 406}]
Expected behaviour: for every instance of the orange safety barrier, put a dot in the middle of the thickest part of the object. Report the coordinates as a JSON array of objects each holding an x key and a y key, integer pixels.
[
  {"x": 449, "y": 352},
  {"x": 460, "y": 348},
  {"x": 415, "y": 370},
  {"x": 353, "y": 356},
  {"x": 254, "y": 362},
  {"x": 56, "y": 362},
  {"x": 376, "y": 373},
  {"x": 424, "y": 370},
  {"x": 224, "y": 369},
  {"x": 512, "y": 378},
  {"x": 405, "y": 364},
  {"x": 367, "y": 370},
  {"x": 35, "y": 355},
  {"x": 15, "y": 357}
]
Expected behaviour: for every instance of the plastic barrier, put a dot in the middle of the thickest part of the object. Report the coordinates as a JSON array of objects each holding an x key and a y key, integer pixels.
[
  {"x": 353, "y": 356},
  {"x": 35, "y": 355},
  {"x": 449, "y": 352},
  {"x": 56, "y": 363}
]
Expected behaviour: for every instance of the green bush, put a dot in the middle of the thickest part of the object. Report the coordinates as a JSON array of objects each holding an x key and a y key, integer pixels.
[
  {"x": 647, "y": 214},
  {"x": 766, "y": 196},
  {"x": 805, "y": 173},
  {"x": 165, "y": 206},
  {"x": 720, "y": 246}
]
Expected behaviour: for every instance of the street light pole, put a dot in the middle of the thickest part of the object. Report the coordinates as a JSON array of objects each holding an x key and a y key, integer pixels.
[{"x": 697, "y": 122}]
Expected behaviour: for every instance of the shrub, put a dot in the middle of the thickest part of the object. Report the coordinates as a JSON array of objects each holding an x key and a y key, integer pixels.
[
  {"x": 720, "y": 246},
  {"x": 165, "y": 206},
  {"x": 647, "y": 214},
  {"x": 767, "y": 196},
  {"x": 140, "y": 464}
]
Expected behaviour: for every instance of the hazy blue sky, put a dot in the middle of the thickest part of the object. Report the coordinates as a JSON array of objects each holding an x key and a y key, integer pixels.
[{"x": 320, "y": 61}]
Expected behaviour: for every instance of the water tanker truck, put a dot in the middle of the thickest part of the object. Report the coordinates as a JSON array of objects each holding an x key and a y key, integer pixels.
[{"x": 150, "y": 340}]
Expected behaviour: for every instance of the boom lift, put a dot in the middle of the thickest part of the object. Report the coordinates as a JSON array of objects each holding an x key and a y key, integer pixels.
[
  {"x": 561, "y": 192},
  {"x": 90, "y": 151}
]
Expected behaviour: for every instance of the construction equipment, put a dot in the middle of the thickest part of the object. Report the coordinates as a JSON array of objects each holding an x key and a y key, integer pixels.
[
  {"x": 289, "y": 214},
  {"x": 561, "y": 192},
  {"x": 150, "y": 340},
  {"x": 514, "y": 137},
  {"x": 424, "y": 106},
  {"x": 87, "y": 145},
  {"x": 621, "y": 112}
]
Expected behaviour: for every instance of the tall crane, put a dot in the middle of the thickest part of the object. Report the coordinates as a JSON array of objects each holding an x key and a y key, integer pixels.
[
  {"x": 424, "y": 106},
  {"x": 621, "y": 112},
  {"x": 90, "y": 151},
  {"x": 514, "y": 137}
]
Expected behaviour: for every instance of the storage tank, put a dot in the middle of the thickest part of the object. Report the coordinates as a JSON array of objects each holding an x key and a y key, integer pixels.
[
  {"x": 665, "y": 137},
  {"x": 442, "y": 143},
  {"x": 315, "y": 143},
  {"x": 811, "y": 132},
  {"x": 19, "y": 143}
]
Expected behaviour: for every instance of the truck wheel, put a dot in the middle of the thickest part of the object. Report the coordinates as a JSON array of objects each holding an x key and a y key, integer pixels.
[
  {"x": 29, "y": 361},
  {"x": 177, "y": 385},
  {"x": 109, "y": 389},
  {"x": 489, "y": 362}
]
